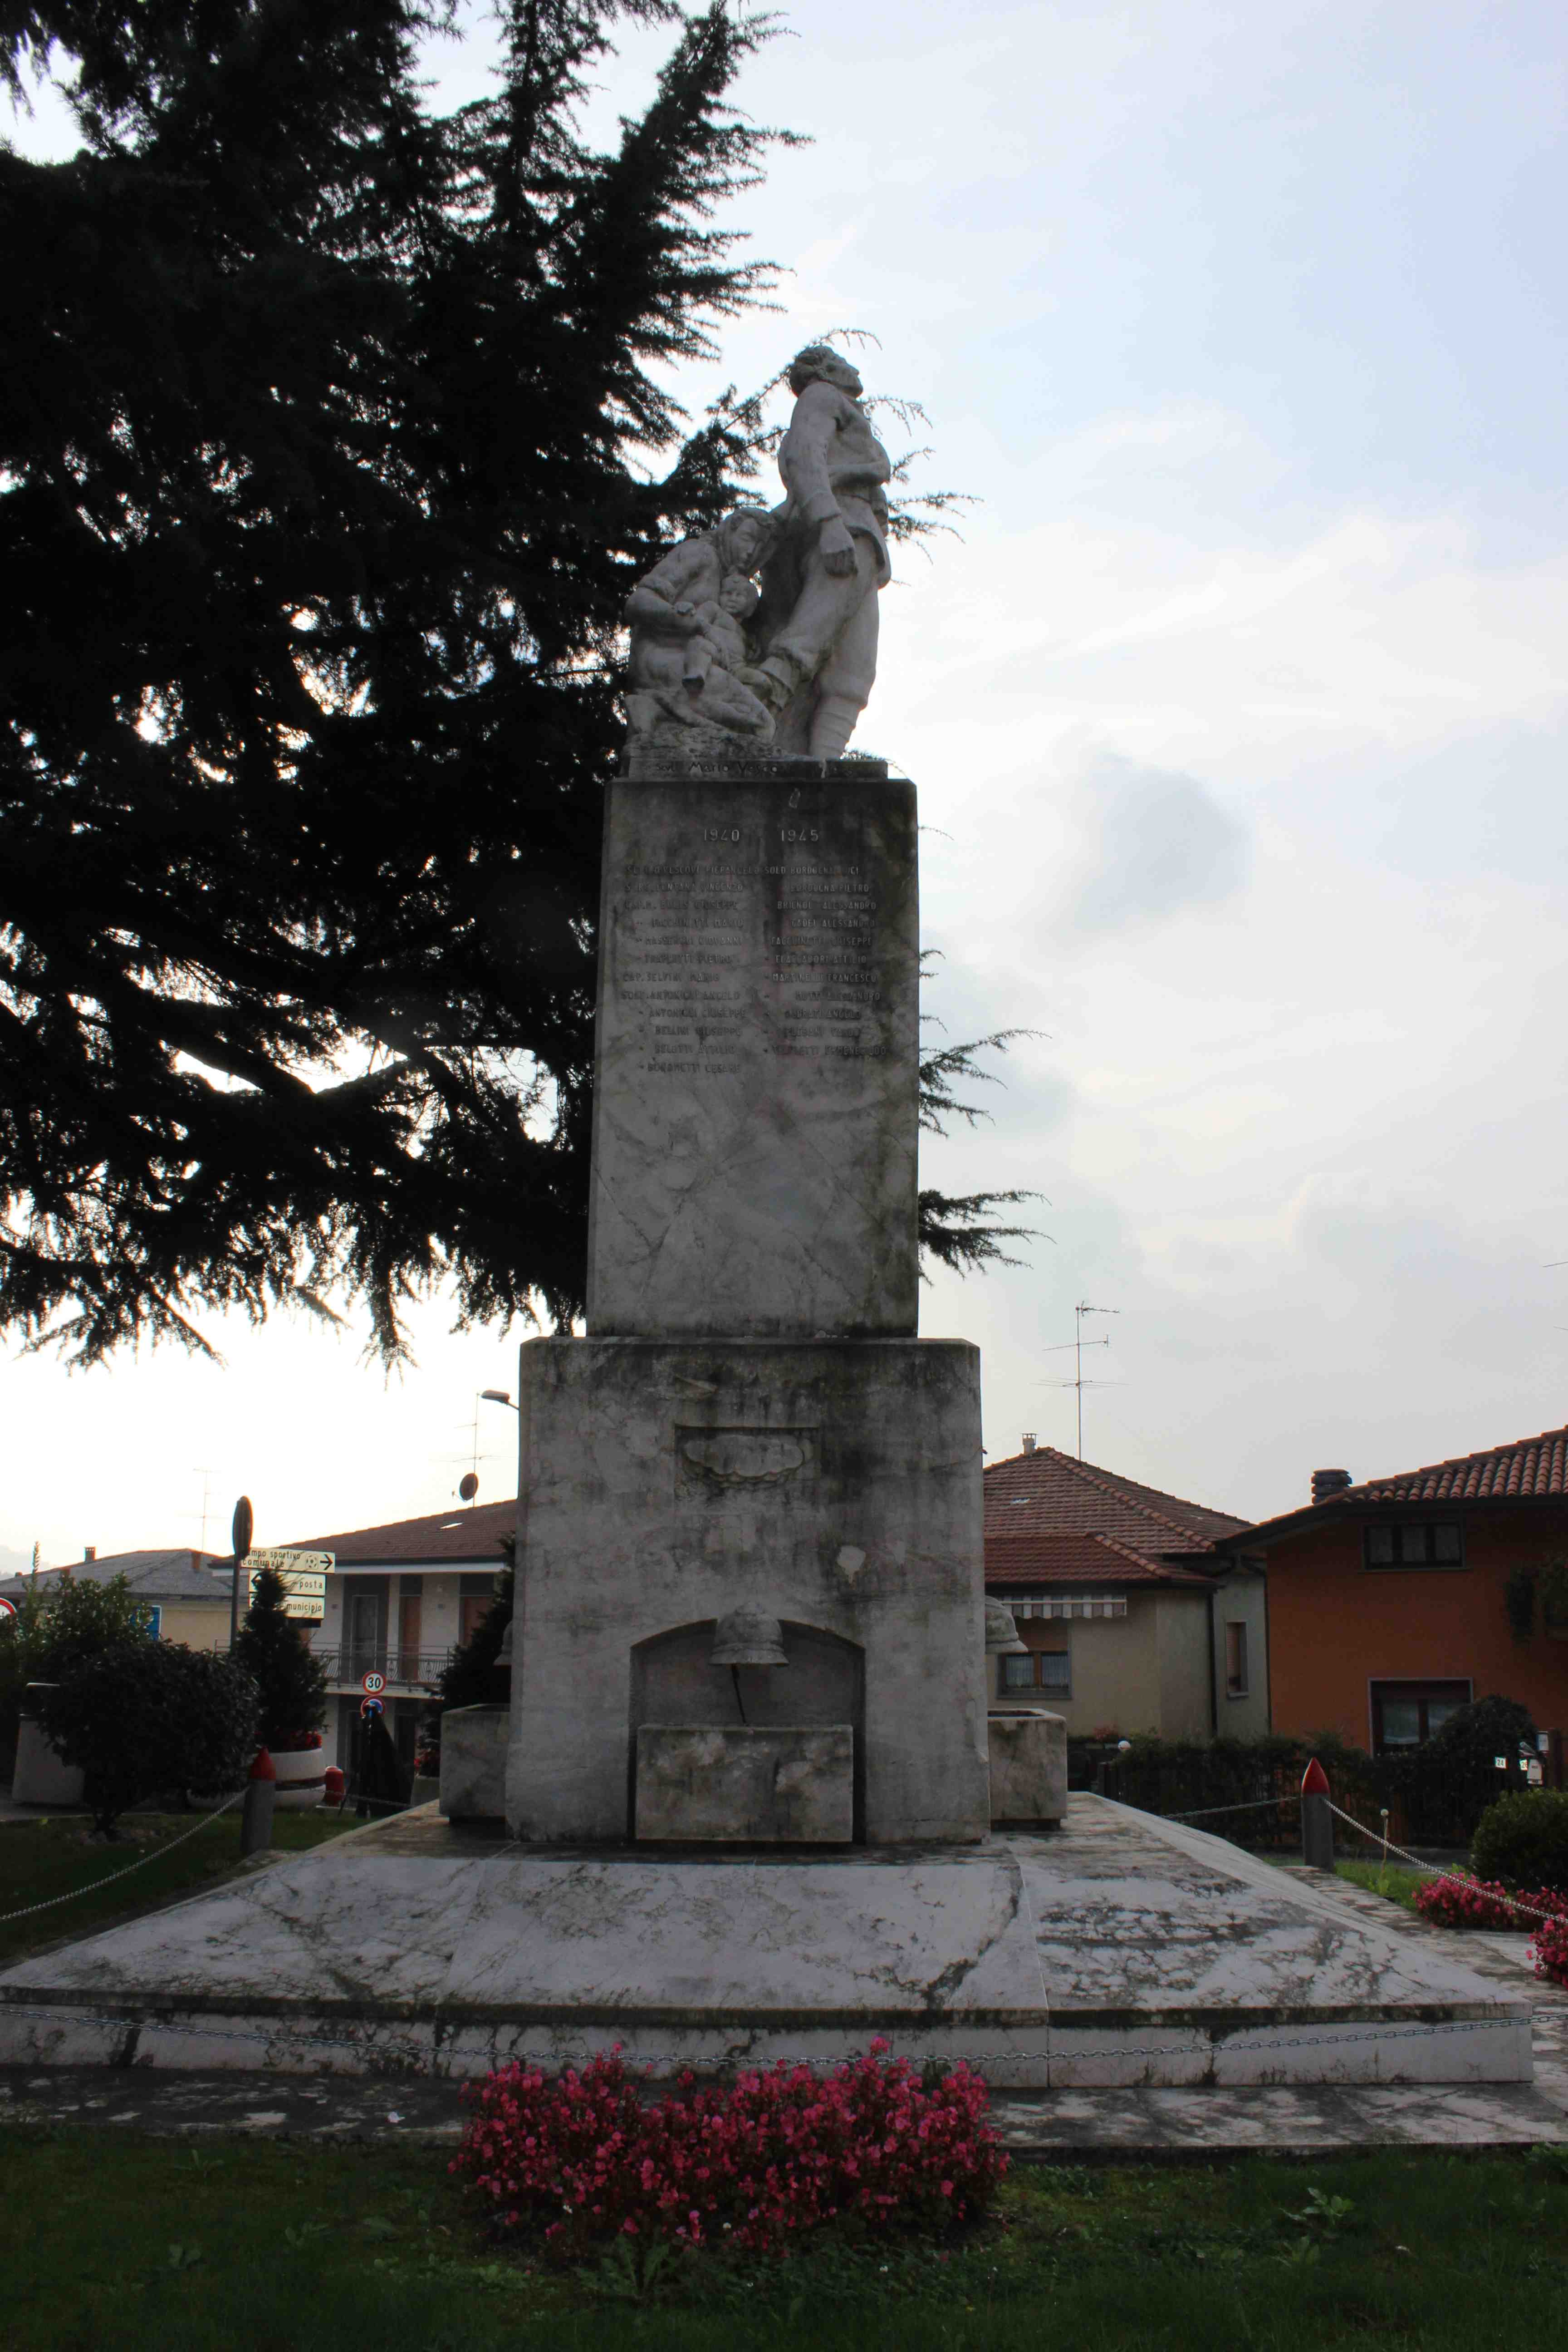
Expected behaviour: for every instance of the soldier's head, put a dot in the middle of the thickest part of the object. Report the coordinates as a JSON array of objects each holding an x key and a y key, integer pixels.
[{"x": 820, "y": 364}]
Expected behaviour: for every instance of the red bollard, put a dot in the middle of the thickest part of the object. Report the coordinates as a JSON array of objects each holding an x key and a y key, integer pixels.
[
  {"x": 334, "y": 1784},
  {"x": 1317, "y": 1821},
  {"x": 255, "y": 1816}
]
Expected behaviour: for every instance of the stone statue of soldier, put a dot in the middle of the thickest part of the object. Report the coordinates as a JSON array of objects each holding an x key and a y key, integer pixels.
[{"x": 818, "y": 619}]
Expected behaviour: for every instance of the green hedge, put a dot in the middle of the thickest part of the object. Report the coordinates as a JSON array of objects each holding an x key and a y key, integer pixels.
[
  {"x": 1436, "y": 1794},
  {"x": 1522, "y": 1839}
]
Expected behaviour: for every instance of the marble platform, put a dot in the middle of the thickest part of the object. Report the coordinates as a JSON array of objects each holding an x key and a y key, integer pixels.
[{"x": 1119, "y": 1951}]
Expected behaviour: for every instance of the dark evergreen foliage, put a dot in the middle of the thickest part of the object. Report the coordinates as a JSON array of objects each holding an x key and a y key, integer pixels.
[
  {"x": 289, "y": 1678},
  {"x": 73, "y": 1618},
  {"x": 151, "y": 1718},
  {"x": 332, "y": 436},
  {"x": 470, "y": 1678}
]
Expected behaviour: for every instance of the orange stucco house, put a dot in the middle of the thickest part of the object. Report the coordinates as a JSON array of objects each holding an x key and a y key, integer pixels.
[{"x": 1388, "y": 1600}]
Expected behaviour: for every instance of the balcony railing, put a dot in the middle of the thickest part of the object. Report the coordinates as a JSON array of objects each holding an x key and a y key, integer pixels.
[{"x": 404, "y": 1669}]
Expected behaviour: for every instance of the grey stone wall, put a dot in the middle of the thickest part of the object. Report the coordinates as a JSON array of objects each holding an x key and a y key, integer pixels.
[{"x": 836, "y": 1484}]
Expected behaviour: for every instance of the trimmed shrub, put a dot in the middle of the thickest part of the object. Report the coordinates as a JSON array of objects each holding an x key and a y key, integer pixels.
[
  {"x": 150, "y": 1717},
  {"x": 290, "y": 1679},
  {"x": 71, "y": 1619},
  {"x": 578, "y": 2159},
  {"x": 1522, "y": 1839},
  {"x": 1483, "y": 1903}
]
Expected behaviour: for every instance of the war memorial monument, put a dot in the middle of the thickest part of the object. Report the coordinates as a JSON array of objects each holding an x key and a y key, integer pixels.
[{"x": 754, "y": 1801}]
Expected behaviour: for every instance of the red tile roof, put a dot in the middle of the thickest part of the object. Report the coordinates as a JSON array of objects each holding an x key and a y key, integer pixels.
[
  {"x": 1050, "y": 1518},
  {"x": 453, "y": 1535},
  {"x": 1529, "y": 1470},
  {"x": 1532, "y": 1468}
]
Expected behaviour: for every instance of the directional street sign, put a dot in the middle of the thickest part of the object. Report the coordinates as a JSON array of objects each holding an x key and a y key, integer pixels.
[
  {"x": 373, "y": 1682},
  {"x": 304, "y": 1575}
]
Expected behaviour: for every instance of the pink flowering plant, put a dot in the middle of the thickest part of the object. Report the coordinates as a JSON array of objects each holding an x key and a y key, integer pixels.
[
  {"x": 1455, "y": 1901},
  {"x": 1550, "y": 1950},
  {"x": 578, "y": 2159}
]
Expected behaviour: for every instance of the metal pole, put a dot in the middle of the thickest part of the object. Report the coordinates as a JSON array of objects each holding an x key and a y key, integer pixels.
[
  {"x": 241, "y": 1529},
  {"x": 1317, "y": 1820},
  {"x": 255, "y": 1816}
]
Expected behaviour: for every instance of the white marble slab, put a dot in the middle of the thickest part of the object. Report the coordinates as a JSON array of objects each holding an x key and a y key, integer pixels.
[{"x": 1119, "y": 1952}]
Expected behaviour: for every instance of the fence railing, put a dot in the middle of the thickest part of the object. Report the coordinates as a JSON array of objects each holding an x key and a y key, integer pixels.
[
  {"x": 404, "y": 1669},
  {"x": 1419, "y": 1796}
]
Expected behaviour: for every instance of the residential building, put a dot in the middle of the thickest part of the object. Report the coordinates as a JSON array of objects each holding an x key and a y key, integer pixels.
[
  {"x": 189, "y": 1592},
  {"x": 1132, "y": 1621},
  {"x": 1389, "y": 1598},
  {"x": 400, "y": 1598}
]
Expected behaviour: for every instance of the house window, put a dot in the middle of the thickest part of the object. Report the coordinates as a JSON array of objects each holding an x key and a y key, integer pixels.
[
  {"x": 1404, "y": 1713},
  {"x": 1041, "y": 1670},
  {"x": 1236, "y": 1659},
  {"x": 1414, "y": 1543}
]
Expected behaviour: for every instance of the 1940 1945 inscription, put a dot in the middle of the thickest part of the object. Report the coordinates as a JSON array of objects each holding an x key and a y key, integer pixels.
[{"x": 756, "y": 1111}]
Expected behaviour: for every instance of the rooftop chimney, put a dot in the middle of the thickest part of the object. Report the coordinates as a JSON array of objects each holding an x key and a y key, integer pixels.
[
  {"x": 1329, "y": 1482},
  {"x": 1028, "y": 1441},
  {"x": 88, "y": 1552}
]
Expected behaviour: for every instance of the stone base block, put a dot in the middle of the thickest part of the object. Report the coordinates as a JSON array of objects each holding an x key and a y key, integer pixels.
[
  {"x": 834, "y": 1484},
  {"x": 473, "y": 1763},
  {"x": 746, "y": 1784},
  {"x": 1028, "y": 1766},
  {"x": 42, "y": 1776}
]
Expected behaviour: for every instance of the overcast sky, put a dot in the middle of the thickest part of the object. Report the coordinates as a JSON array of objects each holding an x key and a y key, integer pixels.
[{"x": 1238, "y": 719}]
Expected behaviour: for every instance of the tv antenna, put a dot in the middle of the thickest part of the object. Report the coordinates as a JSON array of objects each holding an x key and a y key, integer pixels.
[{"x": 1078, "y": 1344}]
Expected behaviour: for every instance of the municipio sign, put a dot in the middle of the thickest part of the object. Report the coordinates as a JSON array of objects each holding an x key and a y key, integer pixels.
[{"x": 304, "y": 1576}]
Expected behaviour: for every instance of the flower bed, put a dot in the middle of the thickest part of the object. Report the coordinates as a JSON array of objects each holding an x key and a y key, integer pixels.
[
  {"x": 1550, "y": 1950},
  {"x": 579, "y": 2159},
  {"x": 1484, "y": 1903}
]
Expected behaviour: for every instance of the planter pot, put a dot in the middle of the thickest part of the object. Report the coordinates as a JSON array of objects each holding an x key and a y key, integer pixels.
[{"x": 301, "y": 1778}]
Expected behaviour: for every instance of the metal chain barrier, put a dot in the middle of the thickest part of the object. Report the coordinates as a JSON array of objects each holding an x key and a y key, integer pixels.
[
  {"x": 1432, "y": 1870},
  {"x": 1245, "y": 1805},
  {"x": 31, "y": 1909}
]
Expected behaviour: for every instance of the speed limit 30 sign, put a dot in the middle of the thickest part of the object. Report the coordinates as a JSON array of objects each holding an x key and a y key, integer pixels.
[{"x": 373, "y": 1682}]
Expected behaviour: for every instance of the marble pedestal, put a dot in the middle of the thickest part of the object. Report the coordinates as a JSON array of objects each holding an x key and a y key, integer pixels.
[
  {"x": 473, "y": 1763},
  {"x": 1028, "y": 1766},
  {"x": 755, "y": 1106},
  {"x": 833, "y": 1484}
]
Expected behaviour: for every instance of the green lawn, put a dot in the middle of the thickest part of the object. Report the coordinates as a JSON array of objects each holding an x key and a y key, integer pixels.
[
  {"x": 274, "y": 2246},
  {"x": 1395, "y": 1882},
  {"x": 48, "y": 1856}
]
